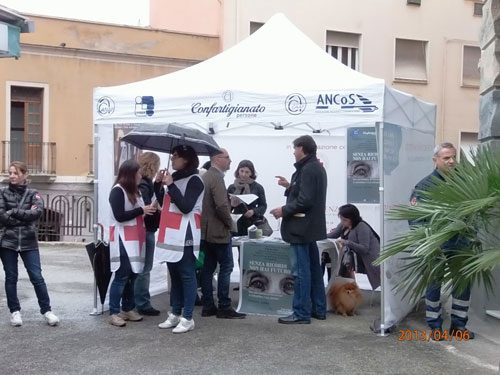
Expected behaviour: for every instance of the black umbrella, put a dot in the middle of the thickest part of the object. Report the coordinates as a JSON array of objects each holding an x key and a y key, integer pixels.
[
  {"x": 98, "y": 252},
  {"x": 165, "y": 137}
]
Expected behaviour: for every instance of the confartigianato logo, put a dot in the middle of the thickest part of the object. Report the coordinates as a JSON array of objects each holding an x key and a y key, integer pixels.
[
  {"x": 228, "y": 109},
  {"x": 345, "y": 102}
]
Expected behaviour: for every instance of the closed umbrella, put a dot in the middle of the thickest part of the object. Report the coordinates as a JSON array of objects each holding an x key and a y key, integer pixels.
[
  {"x": 98, "y": 252},
  {"x": 165, "y": 137}
]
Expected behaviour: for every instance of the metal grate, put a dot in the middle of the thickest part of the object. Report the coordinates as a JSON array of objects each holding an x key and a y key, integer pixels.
[{"x": 66, "y": 218}]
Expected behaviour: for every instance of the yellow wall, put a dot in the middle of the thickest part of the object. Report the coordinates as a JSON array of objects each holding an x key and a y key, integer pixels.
[
  {"x": 445, "y": 24},
  {"x": 93, "y": 55}
]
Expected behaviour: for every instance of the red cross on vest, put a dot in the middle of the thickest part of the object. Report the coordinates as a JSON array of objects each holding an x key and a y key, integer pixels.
[
  {"x": 132, "y": 232},
  {"x": 168, "y": 219}
]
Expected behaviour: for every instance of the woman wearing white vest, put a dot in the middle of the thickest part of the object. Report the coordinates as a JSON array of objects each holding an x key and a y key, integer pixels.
[
  {"x": 179, "y": 235},
  {"x": 127, "y": 237}
]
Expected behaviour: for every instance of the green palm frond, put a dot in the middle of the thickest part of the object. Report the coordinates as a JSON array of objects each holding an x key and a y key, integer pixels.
[{"x": 466, "y": 204}]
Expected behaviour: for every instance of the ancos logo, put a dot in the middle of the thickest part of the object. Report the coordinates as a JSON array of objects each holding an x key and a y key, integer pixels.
[{"x": 349, "y": 102}]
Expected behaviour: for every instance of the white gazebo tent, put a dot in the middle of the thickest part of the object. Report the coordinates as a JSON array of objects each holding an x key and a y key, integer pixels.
[{"x": 274, "y": 85}]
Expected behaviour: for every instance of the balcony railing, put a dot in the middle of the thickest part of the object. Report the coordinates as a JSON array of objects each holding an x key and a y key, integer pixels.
[{"x": 40, "y": 157}]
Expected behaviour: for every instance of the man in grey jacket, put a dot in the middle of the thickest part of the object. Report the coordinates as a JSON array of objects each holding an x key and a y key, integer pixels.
[
  {"x": 303, "y": 224},
  {"x": 216, "y": 225}
]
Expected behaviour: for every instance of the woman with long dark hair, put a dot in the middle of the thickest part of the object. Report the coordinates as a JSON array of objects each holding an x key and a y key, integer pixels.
[
  {"x": 20, "y": 209},
  {"x": 360, "y": 237},
  {"x": 244, "y": 183},
  {"x": 179, "y": 235},
  {"x": 127, "y": 236}
]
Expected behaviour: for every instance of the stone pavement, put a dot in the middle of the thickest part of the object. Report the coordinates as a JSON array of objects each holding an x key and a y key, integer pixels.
[{"x": 85, "y": 344}]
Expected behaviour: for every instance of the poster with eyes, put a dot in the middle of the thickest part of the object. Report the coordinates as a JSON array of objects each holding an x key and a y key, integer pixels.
[
  {"x": 362, "y": 166},
  {"x": 266, "y": 280}
]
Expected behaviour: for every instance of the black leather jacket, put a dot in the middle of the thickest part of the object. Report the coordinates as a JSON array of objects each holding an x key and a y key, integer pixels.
[{"x": 19, "y": 225}]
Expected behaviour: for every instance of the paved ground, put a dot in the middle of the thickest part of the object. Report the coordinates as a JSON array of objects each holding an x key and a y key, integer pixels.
[{"x": 85, "y": 344}]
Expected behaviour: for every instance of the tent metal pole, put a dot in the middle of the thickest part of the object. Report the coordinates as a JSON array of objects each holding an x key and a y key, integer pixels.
[
  {"x": 380, "y": 126},
  {"x": 96, "y": 227}
]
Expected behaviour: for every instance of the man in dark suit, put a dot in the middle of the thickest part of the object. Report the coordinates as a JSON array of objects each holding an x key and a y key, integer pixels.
[
  {"x": 216, "y": 223},
  {"x": 302, "y": 225}
]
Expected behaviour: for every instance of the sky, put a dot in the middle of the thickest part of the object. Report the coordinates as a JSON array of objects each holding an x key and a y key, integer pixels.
[{"x": 126, "y": 12}]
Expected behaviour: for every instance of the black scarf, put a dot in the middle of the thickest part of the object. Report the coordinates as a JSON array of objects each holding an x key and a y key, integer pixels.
[
  {"x": 19, "y": 189},
  {"x": 183, "y": 173}
]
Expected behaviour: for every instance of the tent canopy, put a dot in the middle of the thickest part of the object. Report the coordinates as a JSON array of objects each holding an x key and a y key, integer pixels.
[
  {"x": 278, "y": 78},
  {"x": 276, "y": 75}
]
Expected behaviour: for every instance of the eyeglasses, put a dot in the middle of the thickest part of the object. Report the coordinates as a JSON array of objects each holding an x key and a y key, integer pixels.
[{"x": 223, "y": 157}]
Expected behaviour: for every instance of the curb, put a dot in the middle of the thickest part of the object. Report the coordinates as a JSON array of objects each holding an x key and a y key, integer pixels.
[{"x": 62, "y": 244}]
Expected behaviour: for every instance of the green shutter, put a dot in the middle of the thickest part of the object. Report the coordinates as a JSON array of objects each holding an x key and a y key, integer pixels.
[{"x": 13, "y": 40}]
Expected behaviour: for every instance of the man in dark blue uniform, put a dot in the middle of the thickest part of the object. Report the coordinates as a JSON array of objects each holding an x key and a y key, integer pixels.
[{"x": 444, "y": 159}]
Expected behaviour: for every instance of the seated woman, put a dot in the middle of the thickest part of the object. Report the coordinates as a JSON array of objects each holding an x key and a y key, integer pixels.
[
  {"x": 360, "y": 237},
  {"x": 244, "y": 183}
]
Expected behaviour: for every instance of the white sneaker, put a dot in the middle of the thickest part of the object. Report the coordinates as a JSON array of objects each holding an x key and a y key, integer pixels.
[
  {"x": 15, "y": 319},
  {"x": 51, "y": 318},
  {"x": 171, "y": 321},
  {"x": 184, "y": 326}
]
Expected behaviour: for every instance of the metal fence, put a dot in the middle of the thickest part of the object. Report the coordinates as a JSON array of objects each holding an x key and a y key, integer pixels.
[{"x": 67, "y": 218}]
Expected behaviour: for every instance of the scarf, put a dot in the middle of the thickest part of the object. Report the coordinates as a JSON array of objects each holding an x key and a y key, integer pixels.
[
  {"x": 243, "y": 187},
  {"x": 19, "y": 189},
  {"x": 183, "y": 173}
]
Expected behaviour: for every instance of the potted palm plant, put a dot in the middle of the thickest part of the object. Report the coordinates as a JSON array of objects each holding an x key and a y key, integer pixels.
[{"x": 465, "y": 203}]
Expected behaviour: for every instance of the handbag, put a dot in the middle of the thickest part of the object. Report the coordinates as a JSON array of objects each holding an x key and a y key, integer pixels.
[
  {"x": 263, "y": 225},
  {"x": 347, "y": 263}
]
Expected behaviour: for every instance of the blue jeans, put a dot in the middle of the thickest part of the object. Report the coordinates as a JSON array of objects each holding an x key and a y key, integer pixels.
[
  {"x": 122, "y": 287},
  {"x": 141, "y": 287},
  {"x": 222, "y": 254},
  {"x": 309, "y": 289},
  {"x": 184, "y": 287},
  {"x": 31, "y": 260}
]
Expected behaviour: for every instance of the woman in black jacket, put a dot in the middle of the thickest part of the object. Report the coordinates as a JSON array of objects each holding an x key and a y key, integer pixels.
[
  {"x": 150, "y": 164},
  {"x": 244, "y": 183},
  {"x": 20, "y": 209}
]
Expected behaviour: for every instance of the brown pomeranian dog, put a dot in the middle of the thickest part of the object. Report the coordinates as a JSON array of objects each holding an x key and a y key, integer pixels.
[{"x": 344, "y": 298}]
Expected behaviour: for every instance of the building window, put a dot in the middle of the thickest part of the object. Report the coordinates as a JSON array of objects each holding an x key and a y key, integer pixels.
[
  {"x": 470, "y": 69},
  {"x": 478, "y": 9},
  {"x": 344, "y": 47},
  {"x": 468, "y": 143},
  {"x": 26, "y": 126},
  {"x": 410, "y": 60},
  {"x": 254, "y": 26}
]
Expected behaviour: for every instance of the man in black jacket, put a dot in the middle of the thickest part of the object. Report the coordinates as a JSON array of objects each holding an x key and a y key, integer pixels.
[{"x": 302, "y": 225}]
